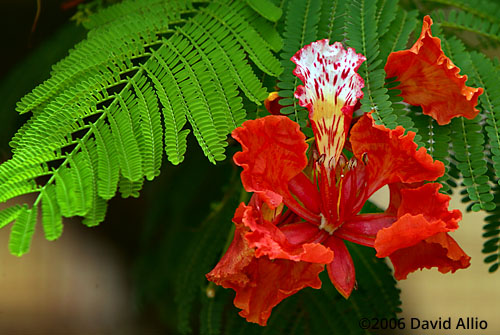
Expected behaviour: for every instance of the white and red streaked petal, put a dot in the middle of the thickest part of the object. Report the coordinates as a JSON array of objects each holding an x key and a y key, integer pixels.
[{"x": 331, "y": 89}]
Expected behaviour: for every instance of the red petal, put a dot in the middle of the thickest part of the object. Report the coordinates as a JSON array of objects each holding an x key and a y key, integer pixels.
[
  {"x": 302, "y": 232},
  {"x": 274, "y": 152},
  {"x": 429, "y": 79},
  {"x": 395, "y": 196},
  {"x": 363, "y": 228},
  {"x": 427, "y": 200},
  {"x": 390, "y": 155},
  {"x": 331, "y": 89},
  {"x": 418, "y": 238},
  {"x": 268, "y": 240},
  {"x": 229, "y": 271},
  {"x": 407, "y": 231},
  {"x": 341, "y": 269},
  {"x": 423, "y": 212},
  {"x": 306, "y": 192},
  {"x": 270, "y": 283},
  {"x": 260, "y": 283},
  {"x": 439, "y": 251}
]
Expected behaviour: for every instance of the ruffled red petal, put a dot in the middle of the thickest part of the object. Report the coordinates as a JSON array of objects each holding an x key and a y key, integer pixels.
[
  {"x": 260, "y": 283},
  {"x": 419, "y": 234},
  {"x": 391, "y": 156},
  {"x": 407, "y": 231},
  {"x": 274, "y": 151},
  {"x": 229, "y": 271},
  {"x": 427, "y": 200},
  {"x": 268, "y": 240},
  {"x": 395, "y": 196},
  {"x": 423, "y": 212},
  {"x": 429, "y": 79},
  {"x": 272, "y": 281},
  {"x": 439, "y": 251}
]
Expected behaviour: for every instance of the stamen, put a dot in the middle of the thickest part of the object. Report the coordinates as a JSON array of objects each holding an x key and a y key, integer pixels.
[
  {"x": 340, "y": 196},
  {"x": 364, "y": 158}
]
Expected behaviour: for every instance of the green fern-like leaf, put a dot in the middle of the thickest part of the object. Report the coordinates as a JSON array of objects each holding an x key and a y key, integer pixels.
[
  {"x": 266, "y": 9},
  {"x": 467, "y": 21},
  {"x": 129, "y": 188},
  {"x": 65, "y": 192},
  {"x": 107, "y": 170},
  {"x": 491, "y": 246},
  {"x": 362, "y": 35},
  {"x": 82, "y": 181},
  {"x": 122, "y": 131},
  {"x": 482, "y": 165},
  {"x": 386, "y": 13},
  {"x": 9, "y": 214},
  {"x": 148, "y": 73},
  {"x": 332, "y": 23},
  {"x": 110, "y": 15},
  {"x": 396, "y": 38},
  {"x": 300, "y": 29},
  {"x": 468, "y": 142},
  {"x": 264, "y": 28},
  {"x": 51, "y": 214},
  {"x": 22, "y": 231},
  {"x": 436, "y": 139},
  {"x": 150, "y": 129},
  {"x": 483, "y": 9},
  {"x": 403, "y": 112},
  {"x": 98, "y": 205},
  {"x": 486, "y": 75}
]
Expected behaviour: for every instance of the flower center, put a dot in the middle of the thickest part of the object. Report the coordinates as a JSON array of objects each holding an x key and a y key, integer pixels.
[
  {"x": 329, "y": 228},
  {"x": 342, "y": 192}
]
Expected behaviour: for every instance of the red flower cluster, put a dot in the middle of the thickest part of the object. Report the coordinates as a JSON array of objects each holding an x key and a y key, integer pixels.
[{"x": 277, "y": 252}]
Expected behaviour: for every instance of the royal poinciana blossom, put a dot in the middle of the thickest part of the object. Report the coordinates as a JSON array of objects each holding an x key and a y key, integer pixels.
[
  {"x": 430, "y": 79},
  {"x": 277, "y": 252}
]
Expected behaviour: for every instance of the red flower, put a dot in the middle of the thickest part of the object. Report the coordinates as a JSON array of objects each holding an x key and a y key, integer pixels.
[
  {"x": 274, "y": 253},
  {"x": 262, "y": 282},
  {"x": 429, "y": 79},
  {"x": 419, "y": 239}
]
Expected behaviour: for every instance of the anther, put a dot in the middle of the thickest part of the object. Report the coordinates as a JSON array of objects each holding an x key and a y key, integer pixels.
[{"x": 364, "y": 158}]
